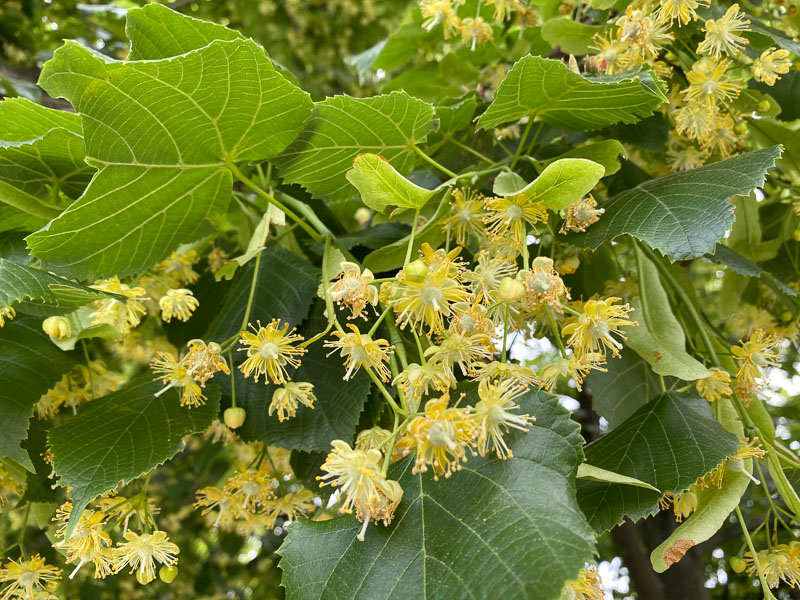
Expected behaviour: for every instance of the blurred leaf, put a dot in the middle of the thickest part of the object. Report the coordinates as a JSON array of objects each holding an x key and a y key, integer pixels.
[
  {"x": 592, "y": 473},
  {"x": 571, "y": 36},
  {"x": 606, "y": 153}
]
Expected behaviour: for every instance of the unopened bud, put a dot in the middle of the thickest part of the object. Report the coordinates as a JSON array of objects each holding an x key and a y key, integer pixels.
[
  {"x": 57, "y": 327},
  {"x": 764, "y": 106},
  {"x": 511, "y": 290},
  {"x": 234, "y": 417},
  {"x": 738, "y": 564},
  {"x": 363, "y": 215},
  {"x": 740, "y": 127},
  {"x": 415, "y": 271}
]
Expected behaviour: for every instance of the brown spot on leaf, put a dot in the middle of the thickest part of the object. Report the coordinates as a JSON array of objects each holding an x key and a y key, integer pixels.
[
  {"x": 657, "y": 355},
  {"x": 677, "y": 551}
]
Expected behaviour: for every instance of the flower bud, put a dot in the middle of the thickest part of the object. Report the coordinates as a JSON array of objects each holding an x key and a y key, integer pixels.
[
  {"x": 167, "y": 574},
  {"x": 763, "y": 106},
  {"x": 362, "y": 215},
  {"x": 738, "y": 564},
  {"x": 510, "y": 290},
  {"x": 234, "y": 417},
  {"x": 57, "y": 327},
  {"x": 740, "y": 127},
  {"x": 415, "y": 271}
]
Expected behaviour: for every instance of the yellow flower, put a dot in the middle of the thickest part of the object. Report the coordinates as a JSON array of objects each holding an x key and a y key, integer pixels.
[
  {"x": 594, "y": 330},
  {"x": 709, "y": 83},
  {"x": 57, "y": 327},
  {"x": 439, "y": 12},
  {"x": 579, "y": 215},
  {"x": 120, "y": 315},
  {"x": 372, "y": 438},
  {"x": 696, "y": 120},
  {"x": 6, "y": 314},
  {"x": 682, "y": 10},
  {"x": 519, "y": 374},
  {"x": 462, "y": 350},
  {"x": 588, "y": 586},
  {"x": 179, "y": 303},
  {"x": 644, "y": 32},
  {"x": 360, "y": 350},
  {"x": 715, "y": 386},
  {"x": 576, "y": 367},
  {"x": 504, "y": 8},
  {"x": 508, "y": 216},
  {"x": 178, "y": 268},
  {"x": 216, "y": 258},
  {"x": 759, "y": 352},
  {"x": 289, "y": 506},
  {"x": 467, "y": 215},
  {"x": 683, "y": 504},
  {"x": 141, "y": 552},
  {"x": 724, "y": 138},
  {"x": 771, "y": 65},
  {"x": 175, "y": 373},
  {"x": 89, "y": 542},
  {"x": 285, "y": 399},
  {"x": 542, "y": 285},
  {"x": 682, "y": 155},
  {"x": 353, "y": 289},
  {"x": 440, "y": 438},
  {"x": 27, "y": 578},
  {"x": 250, "y": 488},
  {"x": 493, "y": 416},
  {"x": 213, "y": 498},
  {"x": 416, "y": 381},
  {"x": 474, "y": 31},
  {"x": 610, "y": 53},
  {"x": 722, "y": 35},
  {"x": 782, "y": 562},
  {"x": 203, "y": 360},
  {"x": 486, "y": 276},
  {"x": 357, "y": 474},
  {"x": 469, "y": 319},
  {"x": 219, "y": 432},
  {"x": 428, "y": 301},
  {"x": 269, "y": 350}
]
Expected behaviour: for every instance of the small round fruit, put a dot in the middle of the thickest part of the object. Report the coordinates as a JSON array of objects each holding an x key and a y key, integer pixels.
[
  {"x": 234, "y": 417},
  {"x": 167, "y": 574},
  {"x": 416, "y": 271}
]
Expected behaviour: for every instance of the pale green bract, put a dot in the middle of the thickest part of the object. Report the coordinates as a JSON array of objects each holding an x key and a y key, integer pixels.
[{"x": 380, "y": 185}]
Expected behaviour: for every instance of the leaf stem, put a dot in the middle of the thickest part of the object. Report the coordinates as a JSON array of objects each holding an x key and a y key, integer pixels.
[
  {"x": 314, "y": 235},
  {"x": 505, "y": 332},
  {"x": 432, "y": 162},
  {"x": 250, "y": 298},
  {"x": 764, "y": 587},
  {"x": 88, "y": 368},
  {"x": 554, "y": 329},
  {"x": 21, "y": 540},
  {"x": 521, "y": 144},
  {"x": 412, "y": 236},
  {"x": 385, "y": 392}
]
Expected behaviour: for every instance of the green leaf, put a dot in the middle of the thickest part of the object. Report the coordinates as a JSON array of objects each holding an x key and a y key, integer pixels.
[
  {"x": 592, "y": 473},
  {"x": 335, "y": 413},
  {"x": 380, "y": 185},
  {"x": 546, "y": 89},
  {"x": 668, "y": 443},
  {"x": 482, "y": 533},
  {"x": 257, "y": 243},
  {"x": 38, "y": 484},
  {"x": 606, "y": 153},
  {"x": 122, "y": 436},
  {"x": 82, "y": 328},
  {"x": 156, "y": 31},
  {"x": 341, "y": 128},
  {"x": 392, "y": 256},
  {"x": 560, "y": 184},
  {"x": 456, "y": 115},
  {"x": 29, "y": 366},
  {"x": 572, "y": 37},
  {"x": 683, "y": 215},
  {"x": 785, "y": 92},
  {"x": 20, "y": 283},
  {"x": 714, "y": 504},
  {"x": 160, "y": 132},
  {"x": 284, "y": 290},
  {"x": 41, "y": 149},
  {"x": 659, "y": 337},
  {"x": 626, "y": 386}
]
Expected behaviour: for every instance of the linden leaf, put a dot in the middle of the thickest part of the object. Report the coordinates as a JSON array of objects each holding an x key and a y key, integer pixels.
[
  {"x": 549, "y": 91},
  {"x": 342, "y": 127},
  {"x": 161, "y": 133},
  {"x": 122, "y": 436},
  {"x": 29, "y": 366},
  {"x": 683, "y": 215},
  {"x": 668, "y": 443},
  {"x": 482, "y": 533},
  {"x": 380, "y": 185}
]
